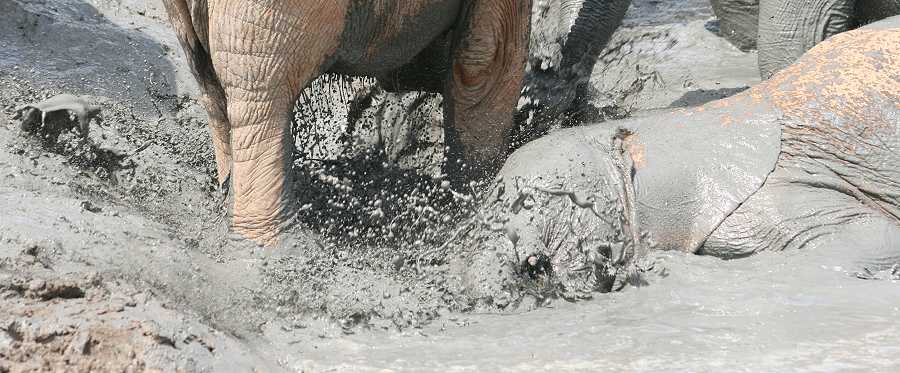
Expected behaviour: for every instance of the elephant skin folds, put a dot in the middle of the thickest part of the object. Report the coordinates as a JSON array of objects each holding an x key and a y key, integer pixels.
[
  {"x": 806, "y": 159},
  {"x": 263, "y": 54}
]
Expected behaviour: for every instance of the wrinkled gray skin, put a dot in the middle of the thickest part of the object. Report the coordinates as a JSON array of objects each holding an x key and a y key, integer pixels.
[
  {"x": 567, "y": 37},
  {"x": 405, "y": 125},
  {"x": 788, "y": 28},
  {"x": 806, "y": 160}
]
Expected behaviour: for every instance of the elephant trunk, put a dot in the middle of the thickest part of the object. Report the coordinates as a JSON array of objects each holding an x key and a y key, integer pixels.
[
  {"x": 591, "y": 31},
  {"x": 788, "y": 28},
  {"x": 564, "y": 48}
]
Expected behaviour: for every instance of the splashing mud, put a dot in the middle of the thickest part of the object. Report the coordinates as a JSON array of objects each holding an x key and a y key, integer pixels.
[{"x": 115, "y": 252}]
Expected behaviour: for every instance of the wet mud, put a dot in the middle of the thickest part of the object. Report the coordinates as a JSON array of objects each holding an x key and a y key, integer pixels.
[{"x": 115, "y": 253}]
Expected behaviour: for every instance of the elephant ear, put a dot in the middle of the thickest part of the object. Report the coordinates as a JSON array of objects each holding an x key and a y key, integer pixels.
[{"x": 693, "y": 168}]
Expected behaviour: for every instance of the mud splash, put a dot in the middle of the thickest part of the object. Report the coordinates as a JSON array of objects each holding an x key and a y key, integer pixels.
[{"x": 137, "y": 269}]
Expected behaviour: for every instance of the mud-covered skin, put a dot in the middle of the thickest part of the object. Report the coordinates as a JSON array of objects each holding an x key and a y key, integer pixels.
[
  {"x": 567, "y": 37},
  {"x": 253, "y": 59},
  {"x": 738, "y": 21},
  {"x": 784, "y": 29},
  {"x": 807, "y": 159},
  {"x": 837, "y": 181}
]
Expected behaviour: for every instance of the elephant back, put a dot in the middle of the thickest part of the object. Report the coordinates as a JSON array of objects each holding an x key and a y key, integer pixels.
[{"x": 841, "y": 108}]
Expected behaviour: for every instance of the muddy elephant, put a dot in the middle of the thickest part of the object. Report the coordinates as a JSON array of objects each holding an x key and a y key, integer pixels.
[
  {"x": 252, "y": 59},
  {"x": 783, "y": 30},
  {"x": 567, "y": 37},
  {"x": 809, "y": 159}
]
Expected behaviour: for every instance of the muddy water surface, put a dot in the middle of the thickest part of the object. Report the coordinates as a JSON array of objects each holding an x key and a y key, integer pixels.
[{"x": 773, "y": 312}]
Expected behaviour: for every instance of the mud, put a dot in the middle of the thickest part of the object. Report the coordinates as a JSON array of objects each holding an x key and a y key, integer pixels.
[{"x": 115, "y": 255}]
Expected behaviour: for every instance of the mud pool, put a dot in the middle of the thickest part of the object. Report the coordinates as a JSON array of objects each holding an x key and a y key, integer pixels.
[{"x": 115, "y": 257}]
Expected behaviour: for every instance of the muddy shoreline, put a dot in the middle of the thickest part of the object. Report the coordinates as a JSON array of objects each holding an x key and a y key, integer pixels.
[{"x": 115, "y": 254}]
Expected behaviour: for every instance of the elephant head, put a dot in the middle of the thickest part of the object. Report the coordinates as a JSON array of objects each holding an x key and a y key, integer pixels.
[
  {"x": 563, "y": 210},
  {"x": 583, "y": 203}
]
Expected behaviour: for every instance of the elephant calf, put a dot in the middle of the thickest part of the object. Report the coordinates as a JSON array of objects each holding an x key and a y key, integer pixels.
[
  {"x": 808, "y": 159},
  {"x": 253, "y": 58}
]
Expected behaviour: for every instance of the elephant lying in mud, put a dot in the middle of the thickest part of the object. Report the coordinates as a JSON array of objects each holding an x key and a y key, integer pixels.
[
  {"x": 808, "y": 159},
  {"x": 252, "y": 59},
  {"x": 783, "y": 30}
]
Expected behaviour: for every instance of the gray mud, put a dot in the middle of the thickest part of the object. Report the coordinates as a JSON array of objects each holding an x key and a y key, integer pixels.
[{"x": 115, "y": 255}]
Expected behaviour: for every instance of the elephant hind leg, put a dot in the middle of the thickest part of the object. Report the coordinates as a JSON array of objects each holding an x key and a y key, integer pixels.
[
  {"x": 212, "y": 95},
  {"x": 264, "y": 60},
  {"x": 486, "y": 76}
]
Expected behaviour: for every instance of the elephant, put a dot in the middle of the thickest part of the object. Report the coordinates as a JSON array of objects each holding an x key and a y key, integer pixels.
[
  {"x": 252, "y": 59},
  {"x": 567, "y": 37},
  {"x": 809, "y": 159},
  {"x": 782, "y": 30},
  {"x": 738, "y": 21}
]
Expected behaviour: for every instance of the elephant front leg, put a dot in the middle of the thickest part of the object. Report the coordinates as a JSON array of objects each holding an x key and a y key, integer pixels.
[
  {"x": 263, "y": 58},
  {"x": 220, "y": 131},
  {"x": 261, "y": 145},
  {"x": 485, "y": 82},
  {"x": 789, "y": 28}
]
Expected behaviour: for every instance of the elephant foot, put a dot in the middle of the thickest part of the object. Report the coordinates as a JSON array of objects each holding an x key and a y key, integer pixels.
[
  {"x": 265, "y": 231},
  {"x": 295, "y": 241}
]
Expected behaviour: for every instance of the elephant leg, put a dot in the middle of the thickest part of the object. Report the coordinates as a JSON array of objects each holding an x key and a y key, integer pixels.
[
  {"x": 788, "y": 28},
  {"x": 553, "y": 88},
  {"x": 738, "y": 21},
  {"x": 264, "y": 59},
  {"x": 486, "y": 75},
  {"x": 212, "y": 96},
  {"x": 806, "y": 207},
  {"x": 220, "y": 131}
]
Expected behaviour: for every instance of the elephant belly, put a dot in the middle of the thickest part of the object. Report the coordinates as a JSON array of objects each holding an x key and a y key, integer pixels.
[{"x": 383, "y": 35}]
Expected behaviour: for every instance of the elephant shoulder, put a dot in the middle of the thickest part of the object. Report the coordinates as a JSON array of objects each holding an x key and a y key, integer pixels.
[{"x": 694, "y": 167}]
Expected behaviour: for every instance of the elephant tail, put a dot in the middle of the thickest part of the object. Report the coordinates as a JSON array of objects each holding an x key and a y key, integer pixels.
[{"x": 190, "y": 20}]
